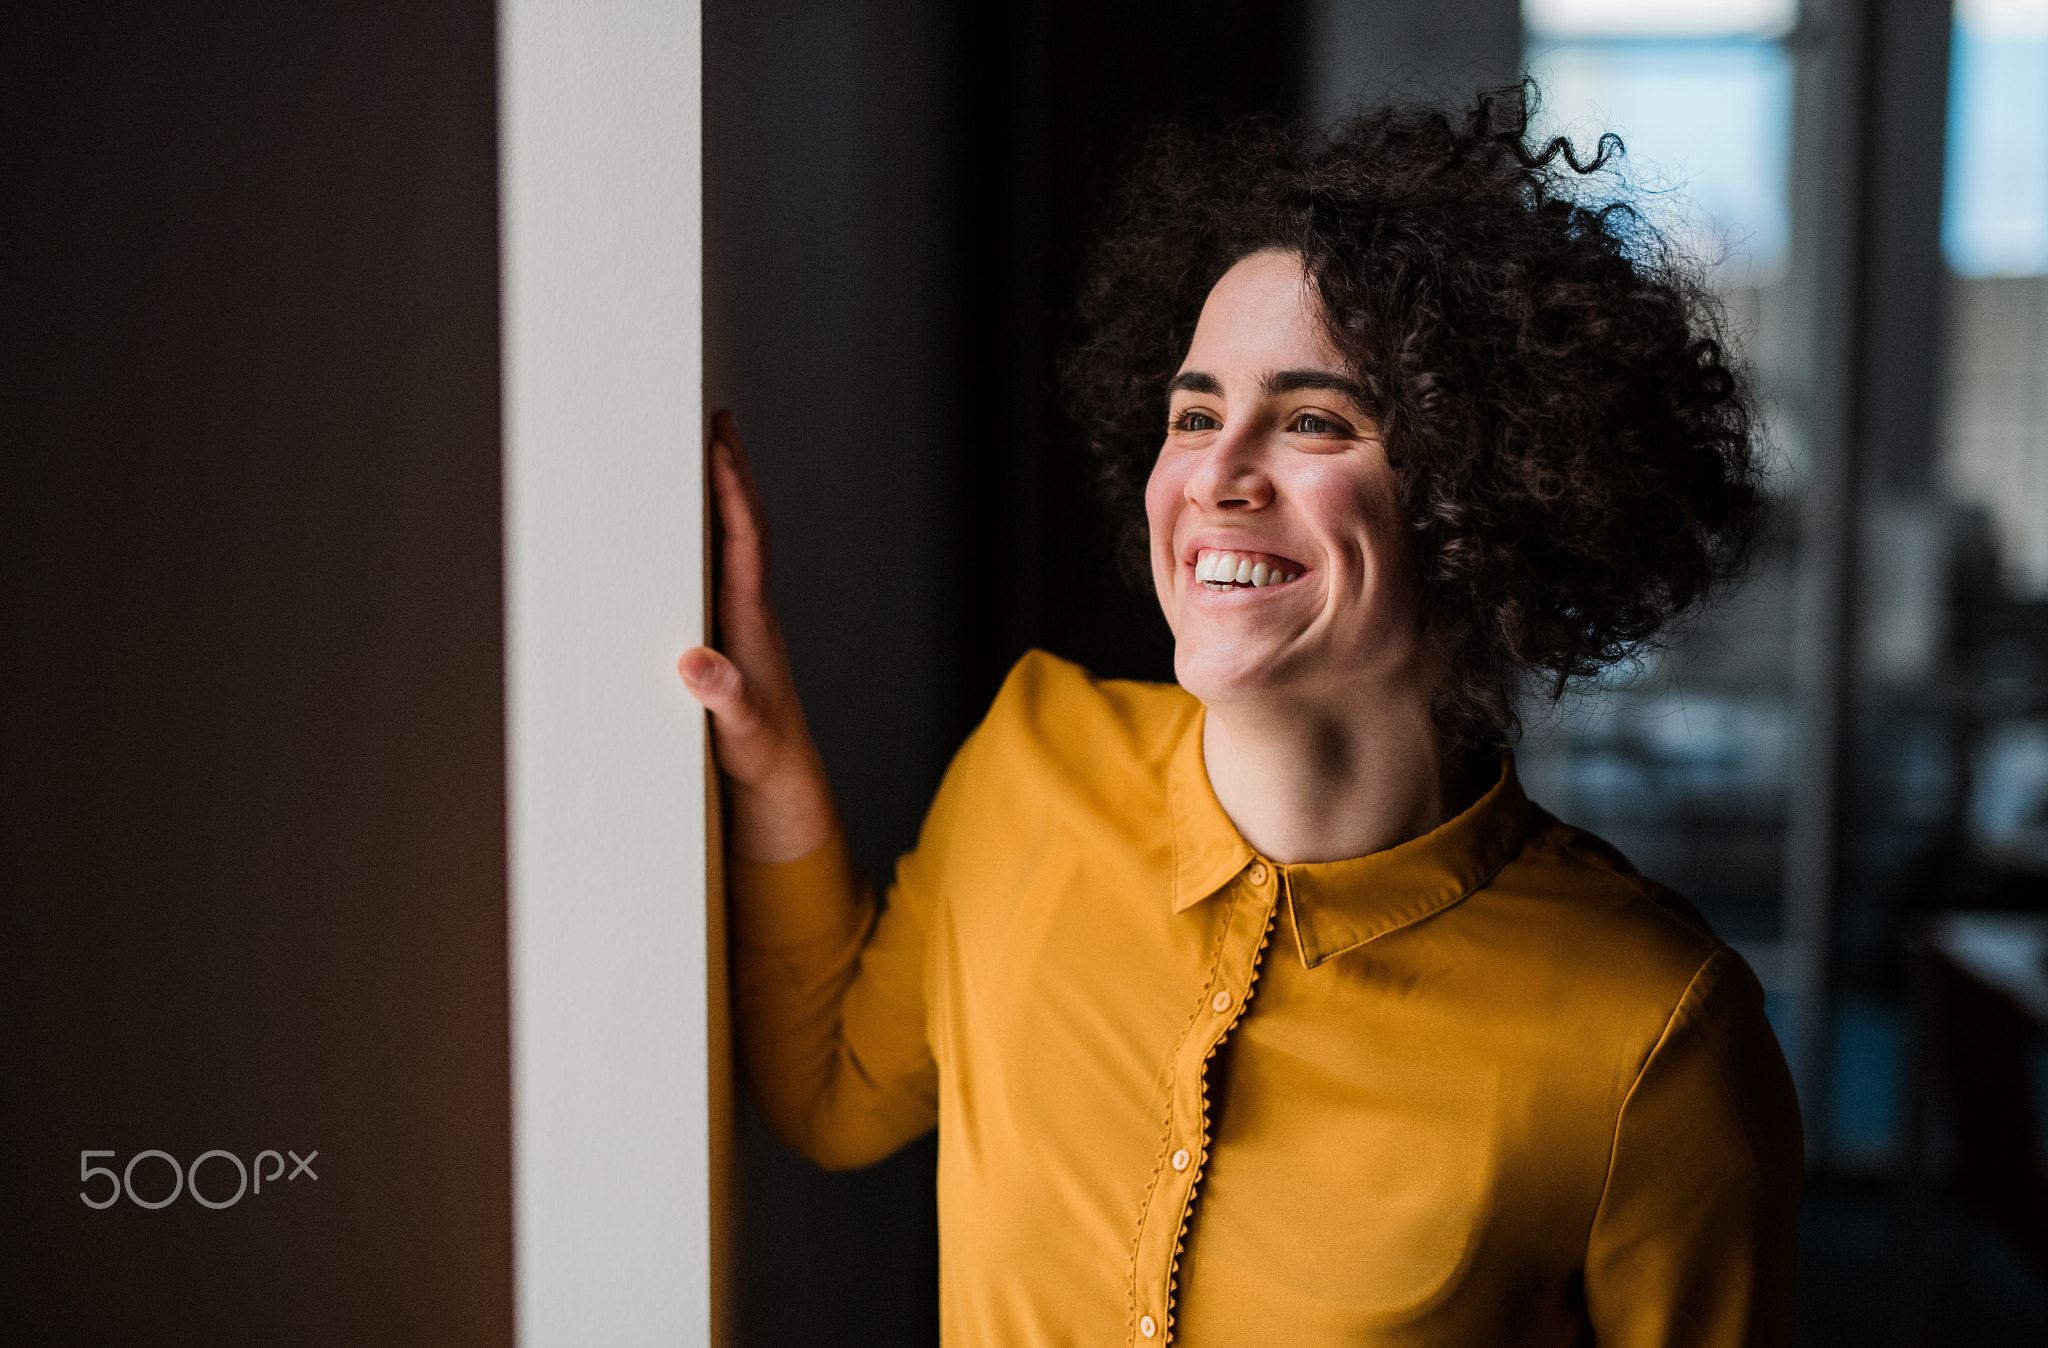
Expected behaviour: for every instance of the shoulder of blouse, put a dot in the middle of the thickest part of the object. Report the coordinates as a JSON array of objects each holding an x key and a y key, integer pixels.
[
  {"x": 1630, "y": 941},
  {"x": 1056, "y": 715}
]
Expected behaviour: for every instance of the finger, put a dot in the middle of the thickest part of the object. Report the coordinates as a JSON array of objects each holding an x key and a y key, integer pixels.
[
  {"x": 726, "y": 431},
  {"x": 716, "y": 683},
  {"x": 743, "y": 559},
  {"x": 730, "y": 469},
  {"x": 743, "y": 564}
]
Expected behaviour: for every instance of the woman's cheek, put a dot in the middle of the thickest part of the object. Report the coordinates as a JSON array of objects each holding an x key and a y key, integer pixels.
[
  {"x": 1165, "y": 491},
  {"x": 1167, "y": 486}
]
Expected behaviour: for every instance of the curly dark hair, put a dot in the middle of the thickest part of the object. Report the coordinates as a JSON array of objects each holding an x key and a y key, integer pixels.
[{"x": 1574, "y": 443}]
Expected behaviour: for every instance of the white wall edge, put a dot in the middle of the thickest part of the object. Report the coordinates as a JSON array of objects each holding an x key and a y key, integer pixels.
[{"x": 601, "y": 257}]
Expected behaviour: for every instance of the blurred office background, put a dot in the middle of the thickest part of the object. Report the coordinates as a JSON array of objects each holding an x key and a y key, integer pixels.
[{"x": 1846, "y": 766}]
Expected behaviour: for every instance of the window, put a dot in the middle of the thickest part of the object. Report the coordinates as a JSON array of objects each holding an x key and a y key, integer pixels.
[
  {"x": 1682, "y": 763},
  {"x": 1700, "y": 91},
  {"x": 1994, "y": 452}
]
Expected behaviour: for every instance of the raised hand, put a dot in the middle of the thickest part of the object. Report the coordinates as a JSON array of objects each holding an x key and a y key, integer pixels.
[{"x": 781, "y": 801}]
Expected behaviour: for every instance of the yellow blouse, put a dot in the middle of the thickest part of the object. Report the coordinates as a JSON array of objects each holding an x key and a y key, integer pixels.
[{"x": 1487, "y": 1087}]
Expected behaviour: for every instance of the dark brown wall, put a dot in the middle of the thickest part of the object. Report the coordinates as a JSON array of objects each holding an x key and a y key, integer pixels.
[{"x": 254, "y": 877}]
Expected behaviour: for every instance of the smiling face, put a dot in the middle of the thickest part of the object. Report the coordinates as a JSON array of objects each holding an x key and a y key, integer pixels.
[{"x": 1278, "y": 549}]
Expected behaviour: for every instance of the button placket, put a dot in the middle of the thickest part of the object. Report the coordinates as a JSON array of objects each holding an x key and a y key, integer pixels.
[{"x": 1162, "y": 1228}]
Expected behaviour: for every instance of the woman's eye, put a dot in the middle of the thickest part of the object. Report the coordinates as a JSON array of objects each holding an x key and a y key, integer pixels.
[
  {"x": 1308, "y": 423},
  {"x": 1196, "y": 421}
]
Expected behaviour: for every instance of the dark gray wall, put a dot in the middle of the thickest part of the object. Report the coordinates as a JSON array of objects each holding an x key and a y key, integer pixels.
[
  {"x": 1455, "y": 47},
  {"x": 1060, "y": 99},
  {"x": 827, "y": 247},
  {"x": 253, "y": 890}
]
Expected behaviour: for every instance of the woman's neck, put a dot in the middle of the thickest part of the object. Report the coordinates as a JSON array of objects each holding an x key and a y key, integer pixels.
[{"x": 1323, "y": 779}]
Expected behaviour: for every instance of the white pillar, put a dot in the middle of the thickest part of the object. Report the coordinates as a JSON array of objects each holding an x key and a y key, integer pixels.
[{"x": 617, "y": 1090}]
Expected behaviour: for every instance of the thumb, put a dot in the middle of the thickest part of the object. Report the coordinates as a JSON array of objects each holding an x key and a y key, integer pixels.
[{"x": 714, "y": 681}]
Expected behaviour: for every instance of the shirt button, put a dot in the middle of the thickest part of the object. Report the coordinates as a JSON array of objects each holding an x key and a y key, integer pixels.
[
  {"x": 1258, "y": 876},
  {"x": 1180, "y": 1159},
  {"x": 1146, "y": 1326},
  {"x": 1221, "y": 1001}
]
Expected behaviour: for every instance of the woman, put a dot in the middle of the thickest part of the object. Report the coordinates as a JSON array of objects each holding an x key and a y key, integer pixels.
[{"x": 1265, "y": 1008}]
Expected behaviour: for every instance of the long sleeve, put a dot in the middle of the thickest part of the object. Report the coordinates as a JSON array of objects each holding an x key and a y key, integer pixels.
[
  {"x": 1694, "y": 1239},
  {"x": 831, "y": 1008}
]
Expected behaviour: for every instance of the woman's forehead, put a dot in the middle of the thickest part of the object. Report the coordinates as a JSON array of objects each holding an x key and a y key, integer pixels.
[{"x": 1262, "y": 317}]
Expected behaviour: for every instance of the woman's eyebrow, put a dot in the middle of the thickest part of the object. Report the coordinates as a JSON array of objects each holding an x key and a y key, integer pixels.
[
  {"x": 1194, "y": 381},
  {"x": 1293, "y": 381}
]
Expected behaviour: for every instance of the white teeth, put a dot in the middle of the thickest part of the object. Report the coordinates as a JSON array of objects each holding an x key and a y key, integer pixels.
[{"x": 1225, "y": 568}]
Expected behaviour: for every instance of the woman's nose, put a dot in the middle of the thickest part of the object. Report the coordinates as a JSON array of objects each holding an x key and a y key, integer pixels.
[{"x": 1232, "y": 476}]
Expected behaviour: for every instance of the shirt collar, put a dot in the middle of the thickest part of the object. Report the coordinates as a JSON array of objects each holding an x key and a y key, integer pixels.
[{"x": 1340, "y": 905}]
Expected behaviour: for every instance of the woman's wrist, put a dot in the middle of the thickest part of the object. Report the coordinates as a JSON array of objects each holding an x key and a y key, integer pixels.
[{"x": 786, "y": 815}]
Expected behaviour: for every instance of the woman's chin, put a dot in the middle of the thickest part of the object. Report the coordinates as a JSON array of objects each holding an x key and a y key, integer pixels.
[{"x": 1239, "y": 670}]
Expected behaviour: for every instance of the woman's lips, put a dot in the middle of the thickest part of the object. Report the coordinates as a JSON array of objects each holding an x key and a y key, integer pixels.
[{"x": 1221, "y": 569}]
